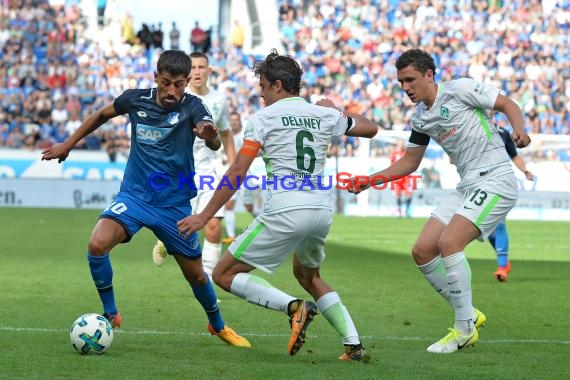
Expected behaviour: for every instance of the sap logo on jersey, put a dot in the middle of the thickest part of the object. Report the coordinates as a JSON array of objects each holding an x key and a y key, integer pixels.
[{"x": 148, "y": 134}]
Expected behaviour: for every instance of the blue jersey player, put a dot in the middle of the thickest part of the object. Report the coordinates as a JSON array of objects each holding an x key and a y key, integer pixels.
[
  {"x": 157, "y": 185},
  {"x": 499, "y": 239}
]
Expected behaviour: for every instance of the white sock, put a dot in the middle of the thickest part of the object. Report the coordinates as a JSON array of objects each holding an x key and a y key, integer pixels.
[
  {"x": 336, "y": 313},
  {"x": 230, "y": 220},
  {"x": 459, "y": 282},
  {"x": 258, "y": 291},
  {"x": 436, "y": 275},
  {"x": 211, "y": 253}
]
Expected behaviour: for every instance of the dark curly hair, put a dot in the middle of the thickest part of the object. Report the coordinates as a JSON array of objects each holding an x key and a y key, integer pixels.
[
  {"x": 174, "y": 62},
  {"x": 280, "y": 67},
  {"x": 417, "y": 58}
]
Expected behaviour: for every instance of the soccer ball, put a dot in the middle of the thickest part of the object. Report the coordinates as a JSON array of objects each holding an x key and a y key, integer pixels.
[{"x": 91, "y": 334}]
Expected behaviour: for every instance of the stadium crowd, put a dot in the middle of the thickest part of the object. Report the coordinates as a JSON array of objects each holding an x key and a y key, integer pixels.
[{"x": 50, "y": 77}]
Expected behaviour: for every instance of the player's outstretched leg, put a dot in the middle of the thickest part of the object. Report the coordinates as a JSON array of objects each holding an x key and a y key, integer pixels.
[
  {"x": 500, "y": 242},
  {"x": 334, "y": 311},
  {"x": 102, "y": 275},
  {"x": 355, "y": 353},
  {"x": 228, "y": 335},
  {"x": 453, "y": 342},
  {"x": 114, "y": 319},
  {"x": 206, "y": 295},
  {"x": 300, "y": 319},
  {"x": 502, "y": 273},
  {"x": 479, "y": 319}
]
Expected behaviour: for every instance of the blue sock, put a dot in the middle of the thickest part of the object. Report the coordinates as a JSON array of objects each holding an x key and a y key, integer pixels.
[
  {"x": 102, "y": 274},
  {"x": 502, "y": 244},
  {"x": 206, "y": 295}
]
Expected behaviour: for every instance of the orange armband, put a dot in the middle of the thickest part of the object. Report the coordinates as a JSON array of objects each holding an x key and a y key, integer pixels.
[{"x": 250, "y": 148}]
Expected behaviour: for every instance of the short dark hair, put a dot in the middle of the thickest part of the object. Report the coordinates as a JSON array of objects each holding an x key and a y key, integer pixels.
[
  {"x": 280, "y": 67},
  {"x": 174, "y": 62},
  {"x": 198, "y": 54},
  {"x": 417, "y": 58}
]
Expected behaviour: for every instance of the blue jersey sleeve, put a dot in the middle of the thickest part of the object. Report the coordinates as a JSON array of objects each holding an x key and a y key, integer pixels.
[
  {"x": 509, "y": 143},
  {"x": 122, "y": 103},
  {"x": 199, "y": 111}
]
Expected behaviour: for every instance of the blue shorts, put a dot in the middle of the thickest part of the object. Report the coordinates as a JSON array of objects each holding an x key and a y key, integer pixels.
[{"x": 133, "y": 214}]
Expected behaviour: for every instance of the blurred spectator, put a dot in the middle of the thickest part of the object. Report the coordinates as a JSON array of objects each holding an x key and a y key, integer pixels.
[
  {"x": 347, "y": 49},
  {"x": 431, "y": 177},
  {"x": 198, "y": 38},
  {"x": 117, "y": 143},
  {"x": 237, "y": 36},
  {"x": 145, "y": 36},
  {"x": 128, "y": 29},
  {"x": 158, "y": 37},
  {"x": 101, "y": 5},
  {"x": 174, "y": 36}
]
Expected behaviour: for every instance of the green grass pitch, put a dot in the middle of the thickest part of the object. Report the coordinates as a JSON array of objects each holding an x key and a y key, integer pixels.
[{"x": 45, "y": 284}]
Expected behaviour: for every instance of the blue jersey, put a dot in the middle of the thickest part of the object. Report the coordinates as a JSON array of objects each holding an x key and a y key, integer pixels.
[
  {"x": 161, "y": 163},
  {"x": 509, "y": 143}
]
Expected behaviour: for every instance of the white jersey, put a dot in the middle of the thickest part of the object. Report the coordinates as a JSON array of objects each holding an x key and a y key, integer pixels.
[
  {"x": 459, "y": 122},
  {"x": 294, "y": 137},
  {"x": 204, "y": 157},
  {"x": 238, "y": 140}
]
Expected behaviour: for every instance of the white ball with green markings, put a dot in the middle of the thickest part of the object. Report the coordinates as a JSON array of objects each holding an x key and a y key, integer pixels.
[{"x": 91, "y": 334}]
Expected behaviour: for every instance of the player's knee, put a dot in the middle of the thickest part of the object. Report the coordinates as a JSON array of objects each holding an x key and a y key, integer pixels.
[
  {"x": 448, "y": 245},
  {"x": 221, "y": 279},
  {"x": 96, "y": 247},
  {"x": 423, "y": 254}
]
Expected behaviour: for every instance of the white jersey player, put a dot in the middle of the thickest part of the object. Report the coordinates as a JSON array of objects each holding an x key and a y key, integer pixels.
[
  {"x": 455, "y": 115},
  {"x": 293, "y": 137},
  {"x": 206, "y": 178},
  {"x": 247, "y": 195}
]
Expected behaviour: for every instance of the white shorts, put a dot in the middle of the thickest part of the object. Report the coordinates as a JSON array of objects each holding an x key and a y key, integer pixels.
[
  {"x": 271, "y": 238},
  {"x": 485, "y": 205},
  {"x": 201, "y": 201}
]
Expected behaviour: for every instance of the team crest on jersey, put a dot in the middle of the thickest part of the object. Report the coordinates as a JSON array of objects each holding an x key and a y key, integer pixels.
[
  {"x": 444, "y": 112},
  {"x": 477, "y": 87},
  {"x": 173, "y": 118}
]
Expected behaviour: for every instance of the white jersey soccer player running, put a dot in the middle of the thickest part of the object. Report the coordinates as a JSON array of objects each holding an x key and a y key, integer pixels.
[
  {"x": 454, "y": 114},
  {"x": 206, "y": 177},
  {"x": 247, "y": 195},
  {"x": 293, "y": 136}
]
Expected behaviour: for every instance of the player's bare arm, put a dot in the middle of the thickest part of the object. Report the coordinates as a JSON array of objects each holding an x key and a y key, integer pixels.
[
  {"x": 93, "y": 121},
  {"x": 363, "y": 128},
  {"x": 521, "y": 165},
  {"x": 514, "y": 114},
  {"x": 236, "y": 172},
  {"x": 406, "y": 165}
]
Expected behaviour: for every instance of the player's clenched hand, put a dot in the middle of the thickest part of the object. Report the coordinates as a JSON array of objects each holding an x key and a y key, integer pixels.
[
  {"x": 521, "y": 140},
  {"x": 206, "y": 130},
  {"x": 59, "y": 151},
  {"x": 190, "y": 224},
  {"x": 357, "y": 186}
]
